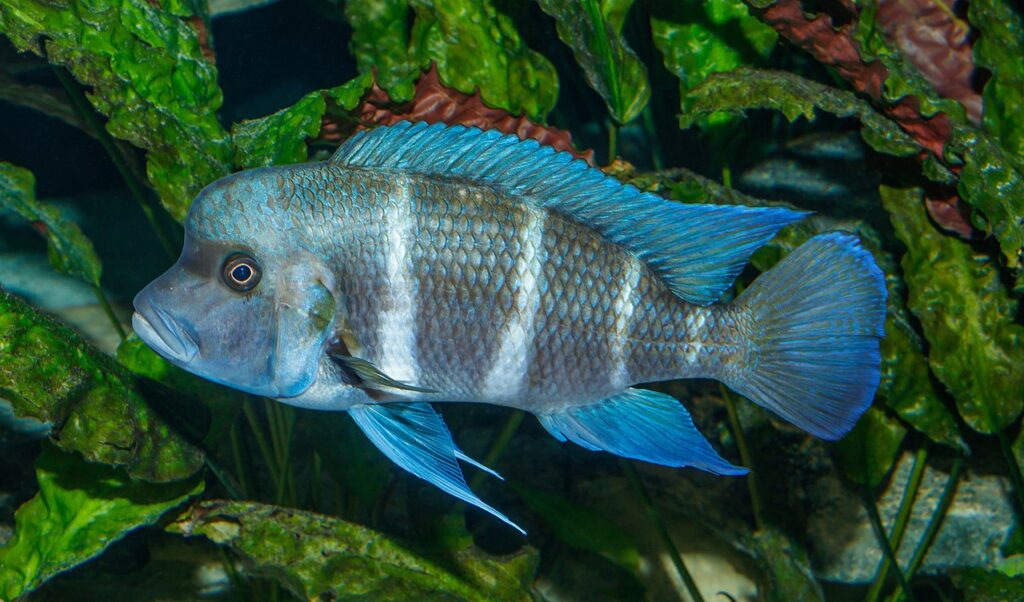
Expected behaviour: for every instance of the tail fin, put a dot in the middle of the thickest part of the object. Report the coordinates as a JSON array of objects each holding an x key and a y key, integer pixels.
[{"x": 817, "y": 320}]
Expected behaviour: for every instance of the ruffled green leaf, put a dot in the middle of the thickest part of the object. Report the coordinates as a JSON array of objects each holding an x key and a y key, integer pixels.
[
  {"x": 697, "y": 39},
  {"x": 795, "y": 96},
  {"x": 593, "y": 30},
  {"x": 583, "y": 528},
  {"x": 69, "y": 250},
  {"x": 870, "y": 449},
  {"x": 380, "y": 43},
  {"x": 280, "y": 138},
  {"x": 1000, "y": 49},
  {"x": 80, "y": 510},
  {"x": 976, "y": 346},
  {"x": 147, "y": 74},
  {"x": 48, "y": 373},
  {"x": 320, "y": 556}
]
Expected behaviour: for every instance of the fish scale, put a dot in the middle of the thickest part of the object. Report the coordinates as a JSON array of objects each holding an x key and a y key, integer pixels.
[{"x": 462, "y": 265}]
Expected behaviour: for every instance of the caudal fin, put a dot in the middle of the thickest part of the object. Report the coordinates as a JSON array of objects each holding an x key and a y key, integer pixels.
[{"x": 817, "y": 320}]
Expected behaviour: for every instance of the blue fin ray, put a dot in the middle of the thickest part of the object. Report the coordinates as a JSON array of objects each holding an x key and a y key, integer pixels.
[
  {"x": 640, "y": 424},
  {"x": 818, "y": 318},
  {"x": 697, "y": 249},
  {"x": 414, "y": 437}
]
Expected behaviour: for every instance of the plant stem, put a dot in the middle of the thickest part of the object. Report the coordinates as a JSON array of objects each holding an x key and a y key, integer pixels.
[
  {"x": 902, "y": 518},
  {"x": 883, "y": 540},
  {"x": 936, "y": 521},
  {"x": 236, "y": 452},
  {"x": 745, "y": 457},
  {"x": 223, "y": 478},
  {"x": 663, "y": 534},
  {"x": 613, "y": 141},
  {"x": 138, "y": 191},
  {"x": 1015, "y": 475},
  {"x": 652, "y": 137},
  {"x": 499, "y": 444},
  {"x": 261, "y": 440},
  {"x": 107, "y": 309}
]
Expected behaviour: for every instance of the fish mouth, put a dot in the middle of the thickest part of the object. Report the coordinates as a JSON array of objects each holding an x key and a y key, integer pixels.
[{"x": 165, "y": 335}]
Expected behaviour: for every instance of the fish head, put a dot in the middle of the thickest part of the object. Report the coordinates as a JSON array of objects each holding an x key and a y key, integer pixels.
[{"x": 244, "y": 306}]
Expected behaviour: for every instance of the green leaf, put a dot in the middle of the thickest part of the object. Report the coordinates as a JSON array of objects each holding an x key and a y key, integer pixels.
[
  {"x": 980, "y": 585},
  {"x": 1012, "y": 566},
  {"x": 583, "y": 528},
  {"x": 795, "y": 96},
  {"x": 999, "y": 49},
  {"x": 319, "y": 556},
  {"x": 280, "y": 138},
  {"x": 593, "y": 30},
  {"x": 147, "y": 74},
  {"x": 474, "y": 45},
  {"x": 697, "y": 39},
  {"x": 784, "y": 564},
  {"x": 81, "y": 509},
  {"x": 69, "y": 250},
  {"x": 976, "y": 346},
  {"x": 48, "y": 373},
  {"x": 380, "y": 43},
  {"x": 906, "y": 386},
  {"x": 870, "y": 449}
]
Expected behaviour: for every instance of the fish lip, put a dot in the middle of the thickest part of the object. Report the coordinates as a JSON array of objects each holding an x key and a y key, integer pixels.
[{"x": 165, "y": 335}]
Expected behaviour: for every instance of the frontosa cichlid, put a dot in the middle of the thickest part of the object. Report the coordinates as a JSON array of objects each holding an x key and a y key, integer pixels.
[{"x": 426, "y": 263}]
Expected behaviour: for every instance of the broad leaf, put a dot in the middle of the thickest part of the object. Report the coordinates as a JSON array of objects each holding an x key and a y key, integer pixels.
[
  {"x": 318, "y": 556},
  {"x": 976, "y": 345},
  {"x": 870, "y": 450},
  {"x": 146, "y": 72},
  {"x": 69, "y": 250},
  {"x": 593, "y": 30},
  {"x": 380, "y": 43},
  {"x": 48, "y": 373},
  {"x": 999, "y": 49},
  {"x": 80, "y": 510}
]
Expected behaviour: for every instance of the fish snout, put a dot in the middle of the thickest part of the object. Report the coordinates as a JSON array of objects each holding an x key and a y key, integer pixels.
[{"x": 165, "y": 335}]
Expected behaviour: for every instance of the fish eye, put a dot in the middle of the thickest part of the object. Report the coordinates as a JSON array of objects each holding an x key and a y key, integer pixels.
[{"x": 241, "y": 272}]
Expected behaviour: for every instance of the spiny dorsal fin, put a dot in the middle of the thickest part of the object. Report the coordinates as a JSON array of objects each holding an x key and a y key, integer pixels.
[{"x": 697, "y": 249}]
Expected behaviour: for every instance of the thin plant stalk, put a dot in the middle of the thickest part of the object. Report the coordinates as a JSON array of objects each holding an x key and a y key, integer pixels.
[
  {"x": 745, "y": 456},
  {"x": 613, "y": 141},
  {"x": 652, "y": 137},
  {"x": 883, "y": 541},
  {"x": 902, "y": 519},
  {"x": 137, "y": 189},
  {"x": 236, "y": 452},
  {"x": 499, "y": 444},
  {"x": 223, "y": 478},
  {"x": 1015, "y": 474},
  {"x": 107, "y": 309},
  {"x": 945, "y": 501},
  {"x": 663, "y": 534},
  {"x": 261, "y": 440}
]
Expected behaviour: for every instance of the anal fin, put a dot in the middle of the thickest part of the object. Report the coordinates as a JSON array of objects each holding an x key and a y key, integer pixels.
[
  {"x": 414, "y": 437},
  {"x": 639, "y": 424}
]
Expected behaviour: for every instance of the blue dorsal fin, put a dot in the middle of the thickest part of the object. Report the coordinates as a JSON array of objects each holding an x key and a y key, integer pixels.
[
  {"x": 697, "y": 249},
  {"x": 640, "y": 424},
  {"x": 414, "y": 437}
]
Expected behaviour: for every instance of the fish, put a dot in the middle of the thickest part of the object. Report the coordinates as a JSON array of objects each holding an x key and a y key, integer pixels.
[{"x": 424, "y": 264}]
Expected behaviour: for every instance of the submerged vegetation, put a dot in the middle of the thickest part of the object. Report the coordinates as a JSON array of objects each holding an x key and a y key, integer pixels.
[{"x": 717, "y": 101}]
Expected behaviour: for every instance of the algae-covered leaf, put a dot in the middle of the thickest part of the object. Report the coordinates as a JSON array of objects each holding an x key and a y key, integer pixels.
[
  {"x": 745, "y": 88},
  {"x": 475, "y": 45},
  {"x": 147, "y": 74},
  {"x": 48, "y": 373},
  {"x": 69, "y": 250},
  {"x": 981, "y": 585},
  {"x": 906, "y": 386},
  {"x": 870, "y": 449},
  {"x": 976, "y": 346},
  {"x": 784, "y": 564},
  {"x": 79, "y": 511},
  {"x": 1000, "y": 49},
  {"x": 697, "y": 39},
  {"x": 583, "y": 528},
  {"x": 593, "y": 30},
  {"x": 380, "y": 43},
  {"x": 318, "y": 556},
  {"x": 280, "y": 138}
]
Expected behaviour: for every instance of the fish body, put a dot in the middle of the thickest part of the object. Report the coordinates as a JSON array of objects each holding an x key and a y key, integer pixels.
[{"x": 434, "y": 264}]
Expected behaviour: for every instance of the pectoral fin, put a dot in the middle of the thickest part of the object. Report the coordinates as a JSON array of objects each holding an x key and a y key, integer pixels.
[
  {"x": 640, "y": 424},
  {"x": 416, "y": 438},
  {"x": 371, "y": 376}
]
